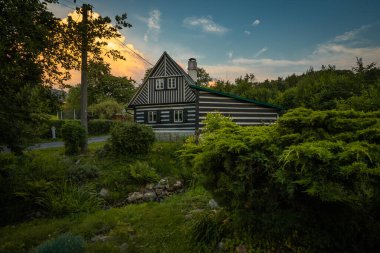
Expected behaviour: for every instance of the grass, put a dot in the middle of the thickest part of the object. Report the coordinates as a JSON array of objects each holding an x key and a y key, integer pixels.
[{"x": 147, "y": 227}]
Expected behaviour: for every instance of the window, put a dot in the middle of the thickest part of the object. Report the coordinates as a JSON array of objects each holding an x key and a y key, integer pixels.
[
  {"x": 171, "y": 83},
  {"x": 152, "y": 117},
  {"x": 178, "y": 116},
  {"x": 160, "y": 84}
]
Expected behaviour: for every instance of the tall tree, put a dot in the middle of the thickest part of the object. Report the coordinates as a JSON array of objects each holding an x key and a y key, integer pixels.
[{"x": 37, "y": 50}]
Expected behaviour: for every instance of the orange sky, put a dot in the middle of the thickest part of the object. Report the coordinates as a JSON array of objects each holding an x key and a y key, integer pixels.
[{"x": 131, "y": 67}]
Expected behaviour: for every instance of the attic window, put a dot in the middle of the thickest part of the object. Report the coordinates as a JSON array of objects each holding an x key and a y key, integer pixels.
[
  {"x": 160, "y": 84},
  {"x": 171, "y": 83}
]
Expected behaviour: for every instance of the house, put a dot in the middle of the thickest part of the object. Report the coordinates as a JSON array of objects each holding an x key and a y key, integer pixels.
[{"x": 170, "y": 101}]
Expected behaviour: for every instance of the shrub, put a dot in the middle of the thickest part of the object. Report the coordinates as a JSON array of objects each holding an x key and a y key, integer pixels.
[
  {"x": 66, "y": 243},
  {"x": 105, "y": 109},
  {"x": 83, "y": 173},
  {"x": 99, "y": 126},
  {"x": 69, "y": 199},
  {"x": 131, "y": 138},
  {"x": 74, "y": 136},
  {"x": 141, "y": 173},
  {"x": 311, "y": 180}
]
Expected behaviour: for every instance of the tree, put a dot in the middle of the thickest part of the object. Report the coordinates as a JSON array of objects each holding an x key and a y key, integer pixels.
[
  {"x": 105, "y": 109},
  {"x": 29, "y": 58},
  {"x": 36, "y": 51},
  {"x": 103, "y": 85},
  {"x": 203, "y": 77}
]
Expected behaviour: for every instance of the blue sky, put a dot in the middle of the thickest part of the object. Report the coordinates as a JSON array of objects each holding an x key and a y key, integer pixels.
[{"x": 268, "y": 38}]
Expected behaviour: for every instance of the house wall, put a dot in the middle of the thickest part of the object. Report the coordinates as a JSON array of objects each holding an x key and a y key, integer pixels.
[
  {"x": 167, "y": 123},
  {"x": 243, "y": 113}
]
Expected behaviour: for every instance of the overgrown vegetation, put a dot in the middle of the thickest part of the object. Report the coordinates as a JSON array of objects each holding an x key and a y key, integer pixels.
[
  {"x": 324, "y": 89},
  {"x": 74, "y": 136},
  {"x": 310, "y": 183},
  {"x": 131, "y": 138}
]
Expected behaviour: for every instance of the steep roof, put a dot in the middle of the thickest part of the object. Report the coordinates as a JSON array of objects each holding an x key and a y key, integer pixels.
[{"x": 236, "y": 97}]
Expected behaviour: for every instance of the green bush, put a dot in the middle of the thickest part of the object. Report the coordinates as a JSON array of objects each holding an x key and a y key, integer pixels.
[
  {"x": 309, "y": 183},
  {"x": 99, "y": 126},
  {"x": 83, "y": 173},
  {"x": 131, "y": 138},
  {"x": 74, "y": 136},
  {"x": 67, "y": 198},
  {"x": 141, "y": 173},
  {"x": 66, "y": 243}
]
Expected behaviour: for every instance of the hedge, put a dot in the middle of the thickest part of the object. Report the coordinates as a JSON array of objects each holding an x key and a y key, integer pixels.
[{"x": 95, "y": 127}]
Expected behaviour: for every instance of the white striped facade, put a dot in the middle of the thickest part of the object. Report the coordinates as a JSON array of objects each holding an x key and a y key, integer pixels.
[
  {"x": 242, "y": 112},
  {"x": 166, "y": 119}
]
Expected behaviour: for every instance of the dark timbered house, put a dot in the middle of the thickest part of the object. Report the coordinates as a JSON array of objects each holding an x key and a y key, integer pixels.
[{"x": 170, "y": 101}]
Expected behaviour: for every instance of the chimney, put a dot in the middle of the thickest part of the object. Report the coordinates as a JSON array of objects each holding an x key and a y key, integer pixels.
[{"x": 192, "y": 69}]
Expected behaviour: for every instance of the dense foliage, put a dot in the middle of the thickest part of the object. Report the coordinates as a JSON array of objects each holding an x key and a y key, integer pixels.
[
  {"x": 131, "y": 138},
  {"x": 73, "y": 135},
  {"x": 309, "y": 183},
  {"x": 325, "y": 89}
]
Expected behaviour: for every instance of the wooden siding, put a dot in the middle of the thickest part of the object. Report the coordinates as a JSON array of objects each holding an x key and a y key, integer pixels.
[
  {"x": 165, "y": 111},
  {"x": 165, "y": 68},
  {"x": 243, "y": 113}
]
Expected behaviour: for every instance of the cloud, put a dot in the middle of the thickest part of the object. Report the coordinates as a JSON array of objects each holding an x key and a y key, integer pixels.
[
  {"x": 340, "y": 51},
  {"x": 206, "y": 24},
  {"x": 230, "y": 54},
  {"x": 351, "y": 35},
  {"x": 247, "y": 32},
  {"x": 131, "y": 67},
  {"x": 154, "y": 27},
  {"x": 256, "y": 22},
  {"x": 261, "y": 51}
]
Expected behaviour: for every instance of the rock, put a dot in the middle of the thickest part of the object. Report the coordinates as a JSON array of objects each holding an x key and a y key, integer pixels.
[
  {"x": 213, "y": 204},
  {"x": 135, "y": 197},
  {"x": 163, "y": 181},
  {"x": 149, "y": 196},
  {"x": 124, "y": 247},
  {"x": 178, "y": 184},
  {"x": 221, "y": 246},
  {"x": 149, "y": 186},
  {"x": 104, "y": 193},
  {"x": 159, "y": 192},
  {"x": 100, "y": 238}
]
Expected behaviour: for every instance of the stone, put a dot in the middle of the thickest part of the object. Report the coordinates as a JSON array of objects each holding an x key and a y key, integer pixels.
[
  {"x": 159, "y": 192},
  {"x": 178, "y": 184},
  {"x": 163, "y": 181},
  {"x": 135, "y": 197},
  {"x": 104, "y": 193},
  {"x": 213, "y": 204},
  {"x": 100, "y": 238},
  {"x": 149, "y": 186},
  {"x": 149, "y": 196}
]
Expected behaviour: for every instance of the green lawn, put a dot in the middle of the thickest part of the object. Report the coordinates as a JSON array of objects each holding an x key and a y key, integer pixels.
[{"x": 147, "y": 227}]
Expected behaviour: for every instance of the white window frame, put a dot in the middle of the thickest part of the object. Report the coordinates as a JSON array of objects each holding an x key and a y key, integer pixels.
[
  {"x": 172, "y": 83},
  {"x": 177, "y": 114},
  {"x": 152, "y": 116},
  {"x": 160, "y": 84}
]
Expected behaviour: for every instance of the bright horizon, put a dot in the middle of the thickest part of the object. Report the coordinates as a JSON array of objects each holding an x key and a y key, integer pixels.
[{"x": 269, "y": 39}]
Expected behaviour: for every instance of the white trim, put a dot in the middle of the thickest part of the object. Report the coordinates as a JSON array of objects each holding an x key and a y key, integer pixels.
[
  {"x": 244, "y": 108},
  {"x": 259, "y": 118},
  {"x": 159, "y": 83},
  {"x": 166, "y": 105},
  {"x": 152, "y": 114},
  {"x": 177, "y": 117},
  {"x": 172, "y": 85}
]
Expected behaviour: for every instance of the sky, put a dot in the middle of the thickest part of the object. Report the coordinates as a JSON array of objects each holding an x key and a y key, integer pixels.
[{"x": 271, "y": 38}]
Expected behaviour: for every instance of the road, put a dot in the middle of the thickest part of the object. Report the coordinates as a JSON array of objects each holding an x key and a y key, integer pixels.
[{"x": 59, "y": 144}]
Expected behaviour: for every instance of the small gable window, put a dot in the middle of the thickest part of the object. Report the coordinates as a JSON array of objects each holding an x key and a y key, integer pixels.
[
  {"x": 172, "y": 83},
  {"x": 160, "y": 84},
  {"x": 178, "y": 115},
  {"x": 152, "y": 117}
]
